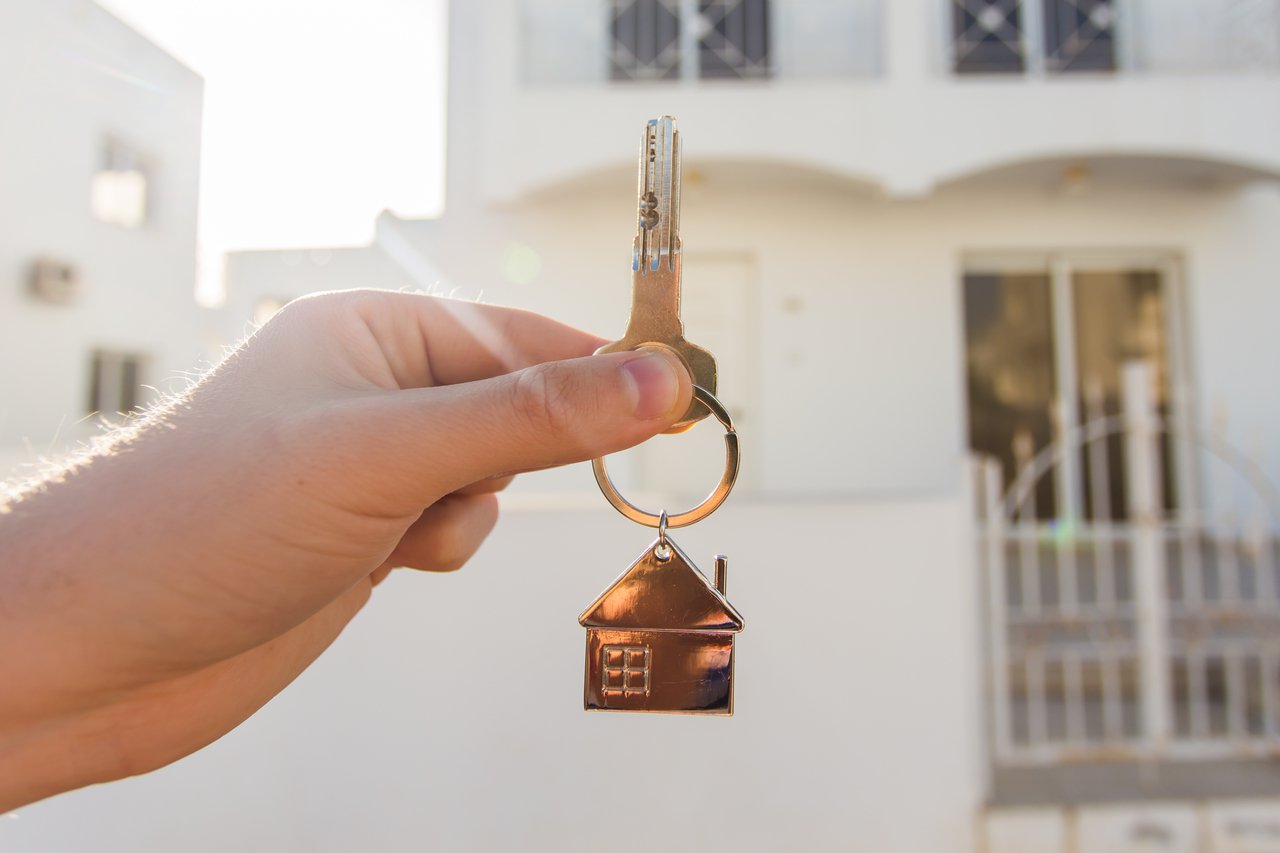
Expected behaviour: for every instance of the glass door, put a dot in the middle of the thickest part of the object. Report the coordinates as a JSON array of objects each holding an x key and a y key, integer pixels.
[{"x": 1042, "y": 330}]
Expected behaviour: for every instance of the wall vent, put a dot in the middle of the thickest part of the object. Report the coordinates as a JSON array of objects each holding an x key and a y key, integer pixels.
[{"x": 54, "y": 281}]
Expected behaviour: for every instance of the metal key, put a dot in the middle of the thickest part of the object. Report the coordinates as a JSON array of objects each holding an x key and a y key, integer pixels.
[{"x": 655, "y": 266}]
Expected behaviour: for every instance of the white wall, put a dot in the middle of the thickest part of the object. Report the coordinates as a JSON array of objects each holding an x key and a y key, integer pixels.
[
  {"x": 70, "y": 75},
  {"x": 449, "y": 715},
  {"x": 856, "y": 356}
]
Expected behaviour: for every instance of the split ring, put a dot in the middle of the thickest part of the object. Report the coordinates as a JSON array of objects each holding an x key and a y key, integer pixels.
[{"x": 708, "y": 505}]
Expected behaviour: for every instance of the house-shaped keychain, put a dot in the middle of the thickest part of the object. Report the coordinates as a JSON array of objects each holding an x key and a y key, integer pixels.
[{"x": 661, "y": 638}]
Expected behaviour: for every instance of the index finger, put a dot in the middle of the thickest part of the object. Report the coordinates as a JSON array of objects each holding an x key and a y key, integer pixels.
[{"x": 465, "y": 341}]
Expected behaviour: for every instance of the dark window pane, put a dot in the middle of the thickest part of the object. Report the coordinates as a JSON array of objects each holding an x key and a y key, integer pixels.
[
  {"x": 1019, "y": 704},
  {"x": 129, "y": 382},
  {"x": 1180, "y": 685},
  {"x": 1009, "y": 355},
  {"x": 734, "y": 40},
  {"x": 1079, "y": 35},
  {"x": 95, "y": 383},
  {"x": 1215, "y": 695},
  {"x": 1130, "y": 707},
  {"x": 1093, "y": 694},
  {"x": 645, "y": 42},
  {"x": 987, "y": 36},
  {"x": 1120, "y": 316},
  {"x": 1254, "y": 701}
]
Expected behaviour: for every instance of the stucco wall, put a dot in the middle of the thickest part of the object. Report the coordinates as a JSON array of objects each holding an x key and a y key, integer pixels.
[
  {"x": 855, "y": 351},
  {"x": 449, "y": 715},
  {"x": 57, "y": 107}
]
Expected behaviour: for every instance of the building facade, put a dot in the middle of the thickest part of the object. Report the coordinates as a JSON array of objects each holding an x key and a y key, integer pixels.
[
  {"x": 916, "y": 233},
  {"x": 1036, "y": 233},
  {"x": 98, "y": 193}
]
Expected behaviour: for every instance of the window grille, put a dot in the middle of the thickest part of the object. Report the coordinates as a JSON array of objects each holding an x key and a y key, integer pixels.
[
  {"x": 733, "y": 39},
  {"x": 1012, "y": 36},
  {"x": 671, "y": 39},
  {"x": 626, "y": 669},
  {"x": 987, "y": 36},
  {"x": 645, "y": 40},
  {"x": 1079, "y": 35}
]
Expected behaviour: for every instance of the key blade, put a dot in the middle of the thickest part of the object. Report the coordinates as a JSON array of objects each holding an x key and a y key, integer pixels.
[{"x": 657, "y": 242}]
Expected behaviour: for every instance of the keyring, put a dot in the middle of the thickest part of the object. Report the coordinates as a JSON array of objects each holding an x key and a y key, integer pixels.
[{"x": 708, "y": 505}]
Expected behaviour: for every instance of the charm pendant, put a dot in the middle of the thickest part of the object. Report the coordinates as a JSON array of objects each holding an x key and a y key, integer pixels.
[{"x": 661, "y": 638}]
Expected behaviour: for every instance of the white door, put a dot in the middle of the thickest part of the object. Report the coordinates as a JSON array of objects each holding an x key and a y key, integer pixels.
[{"x": 718, "y": 306}]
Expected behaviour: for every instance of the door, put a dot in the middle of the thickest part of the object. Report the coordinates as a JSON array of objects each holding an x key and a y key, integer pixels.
[
  {"x": 718, "y": 299},
  {"x": 1043, "y": 330}
]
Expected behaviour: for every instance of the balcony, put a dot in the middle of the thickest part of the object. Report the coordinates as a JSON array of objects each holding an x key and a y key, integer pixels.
[
  {"x": 577, "y": 42},
  {"x": 903, "y": 96}
]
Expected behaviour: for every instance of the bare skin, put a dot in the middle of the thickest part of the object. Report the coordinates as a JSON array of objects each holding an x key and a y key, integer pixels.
[{"x": 158, "y": 592}]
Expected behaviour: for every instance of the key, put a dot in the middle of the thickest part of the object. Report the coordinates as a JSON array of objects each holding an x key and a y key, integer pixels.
[{"x": 655, "y": 266}]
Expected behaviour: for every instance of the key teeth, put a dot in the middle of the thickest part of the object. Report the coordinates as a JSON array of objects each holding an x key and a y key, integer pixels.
[{"x": 658, "y": 194}]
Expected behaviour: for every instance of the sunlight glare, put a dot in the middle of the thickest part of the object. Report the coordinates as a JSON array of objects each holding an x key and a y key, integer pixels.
[{"x": 318, "y": 116}]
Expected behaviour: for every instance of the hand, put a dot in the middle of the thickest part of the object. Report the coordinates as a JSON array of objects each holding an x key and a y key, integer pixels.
[{"x": 157, "y": 593}]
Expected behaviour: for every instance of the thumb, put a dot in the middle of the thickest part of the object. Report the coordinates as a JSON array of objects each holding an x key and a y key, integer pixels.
[{"x": 549, "y": 414}]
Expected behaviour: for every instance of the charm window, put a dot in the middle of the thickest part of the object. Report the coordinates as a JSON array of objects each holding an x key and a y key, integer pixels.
[{"x": 625, "y": 669}]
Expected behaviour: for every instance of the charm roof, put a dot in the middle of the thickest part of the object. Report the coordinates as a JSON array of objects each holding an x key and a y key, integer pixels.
[{"x": 657, "y": 596}]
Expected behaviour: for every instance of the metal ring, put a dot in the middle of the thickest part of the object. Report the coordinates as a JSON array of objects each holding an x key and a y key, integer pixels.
[{"x": 709, "y": 505}]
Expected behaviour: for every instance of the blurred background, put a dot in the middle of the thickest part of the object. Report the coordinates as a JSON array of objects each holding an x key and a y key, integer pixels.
[{"x": 992, "y": 285}]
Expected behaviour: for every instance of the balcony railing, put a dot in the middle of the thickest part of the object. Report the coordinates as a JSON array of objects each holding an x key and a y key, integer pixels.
[
  {"x": 628, "y": 41},
  {"x": 1072, "y": 36},
  {"x": 1151, "y": 638},
  {"x": 573, "y": 42}
]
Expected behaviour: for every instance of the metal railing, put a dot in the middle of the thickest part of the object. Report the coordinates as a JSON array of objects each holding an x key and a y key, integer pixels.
[
  {"x": 1037, "y": 37},
  {"x": 573, "y": 42},
  {"x": 1157, "y": 636}
]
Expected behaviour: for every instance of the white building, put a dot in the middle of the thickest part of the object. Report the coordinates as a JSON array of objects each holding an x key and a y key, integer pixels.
[
  {"x": 909, "y": 228},
  {"x": 100, "y": 131}
]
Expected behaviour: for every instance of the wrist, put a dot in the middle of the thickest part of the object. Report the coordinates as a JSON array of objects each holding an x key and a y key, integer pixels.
[{"x": 40, "y": 760}]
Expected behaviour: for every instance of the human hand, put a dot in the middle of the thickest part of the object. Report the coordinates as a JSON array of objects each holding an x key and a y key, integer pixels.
[{"x": 155, "y": 595}]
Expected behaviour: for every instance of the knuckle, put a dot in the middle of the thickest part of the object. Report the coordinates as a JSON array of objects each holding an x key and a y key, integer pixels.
[
  {"x": 543, "y": 398},
  {"x": 326, "y": 308}
]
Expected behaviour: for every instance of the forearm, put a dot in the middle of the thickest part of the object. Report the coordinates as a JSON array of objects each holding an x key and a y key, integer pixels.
[{"x": 40, "y": 759}]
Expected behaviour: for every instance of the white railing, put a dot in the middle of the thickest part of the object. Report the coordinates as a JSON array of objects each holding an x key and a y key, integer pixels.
[{"x": 1153, "y": 636}]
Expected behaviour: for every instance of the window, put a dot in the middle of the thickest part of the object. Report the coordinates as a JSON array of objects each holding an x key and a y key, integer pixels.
[
  {"x": 115, "y": 382},
  {"x": 118, "y": 193},
  {"x": 1079, "y": 35},
  {"x": 1011, "y": 36},
  {"x": 733, "y": 38},
  {"x": 987, "y": 36},
  {"x": 626, "y": 669},
  {"x": 723, "y": 39},
  {"x": 1050, "y": 330},
  {"x": 645, "y": 39}
]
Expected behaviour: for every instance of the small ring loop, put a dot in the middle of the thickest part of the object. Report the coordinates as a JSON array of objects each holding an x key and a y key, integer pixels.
[{"x": 709, "y": 505}]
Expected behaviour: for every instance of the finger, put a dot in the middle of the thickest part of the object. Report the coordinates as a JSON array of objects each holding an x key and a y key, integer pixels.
[
  {"x": 487, "y": 486},
  {"x": 447, "y": 534},
  {"x": 433, "y": 441},
  {"x": 465, "y": 341}
]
